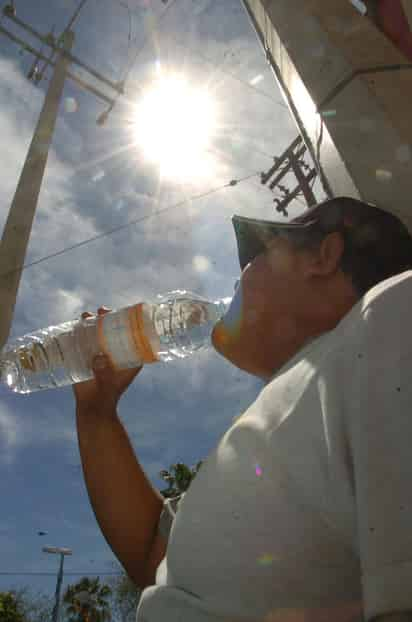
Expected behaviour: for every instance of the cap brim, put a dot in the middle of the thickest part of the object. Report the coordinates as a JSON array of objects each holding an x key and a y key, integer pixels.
[{"x": 252, "y": 235}]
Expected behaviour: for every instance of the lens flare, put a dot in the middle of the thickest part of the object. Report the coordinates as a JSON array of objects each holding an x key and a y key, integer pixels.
[
  {"x": 174, "y": 125},
  {"x": 227, "y": 330}
]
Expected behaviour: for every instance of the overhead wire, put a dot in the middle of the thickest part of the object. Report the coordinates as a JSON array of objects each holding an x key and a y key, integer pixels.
[
  {"x": 233, "y": 182},
  {"x": 139, "y": 51},
  {"x": 226, "y": 72},
  {"x": 129, "y": 37},
  {"x": 61, "y": 37},
  {"x": 197, "y": 53}
]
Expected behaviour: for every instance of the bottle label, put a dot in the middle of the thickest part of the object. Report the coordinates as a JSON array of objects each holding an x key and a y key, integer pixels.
[
  {"x": 121, "y": 335},
  {"x": 113, "y": 334},
  {"x": 143, "y": 345}
]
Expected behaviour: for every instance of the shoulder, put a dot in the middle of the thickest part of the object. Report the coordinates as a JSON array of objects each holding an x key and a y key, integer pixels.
[
  {"x": 386, "y": 311},
  {"x": 377, "y": 336},
  {"x": 396, "y": 290}
]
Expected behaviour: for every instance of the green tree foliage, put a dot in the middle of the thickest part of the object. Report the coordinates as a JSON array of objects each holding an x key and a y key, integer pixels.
[
  {"x": 87, "y": 601},
  {"x": 178, "y": 478},
  {"x": 10, "y": 608},
  {"x": 125, "y": 597}
]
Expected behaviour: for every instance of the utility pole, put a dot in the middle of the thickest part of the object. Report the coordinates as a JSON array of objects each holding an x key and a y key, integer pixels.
[
  {"x": 291, "y": 162},
  {"x": 17, "y": 230},
  {"x": 16, "y": 234}
]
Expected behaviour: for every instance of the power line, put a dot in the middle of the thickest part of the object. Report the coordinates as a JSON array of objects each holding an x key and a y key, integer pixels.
[
  {"x": 207, "y": 60},
  {"x": 139, "y": 51},
  {"x": 201, "y": 56},
  {"x": 233, "y": 182},
  {"x": 129, "y": 14},
  {"x": 162, "y": 16},
  {"x": 228, "y": 73},
  {"x": 60, "y": 39}
]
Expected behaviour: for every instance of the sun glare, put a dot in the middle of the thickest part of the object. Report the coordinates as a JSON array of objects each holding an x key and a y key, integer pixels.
[{"x": 174, "y": 125}]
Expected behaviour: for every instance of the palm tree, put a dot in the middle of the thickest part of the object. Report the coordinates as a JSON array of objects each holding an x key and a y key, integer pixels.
[
  {"x": 180, "y": 481},
  {"x": 86, "y": 601},
  {"x": 125, "y": 596}
]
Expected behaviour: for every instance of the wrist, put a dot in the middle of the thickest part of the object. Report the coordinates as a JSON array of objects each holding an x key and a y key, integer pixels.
[{"x": 96, "y": 410}]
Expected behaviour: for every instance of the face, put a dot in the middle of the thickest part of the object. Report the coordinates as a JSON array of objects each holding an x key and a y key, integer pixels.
[{"x": 261, "y": 327}]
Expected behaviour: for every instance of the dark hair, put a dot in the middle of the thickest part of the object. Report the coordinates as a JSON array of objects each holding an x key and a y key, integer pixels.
[{"x": 374, "y": 249}]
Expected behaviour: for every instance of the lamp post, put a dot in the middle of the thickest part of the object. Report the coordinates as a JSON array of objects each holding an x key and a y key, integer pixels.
[{"x": 62, "y": 552}]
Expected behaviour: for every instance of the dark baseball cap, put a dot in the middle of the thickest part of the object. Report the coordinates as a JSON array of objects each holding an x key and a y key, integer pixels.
[{"x": 375, "y": 233}]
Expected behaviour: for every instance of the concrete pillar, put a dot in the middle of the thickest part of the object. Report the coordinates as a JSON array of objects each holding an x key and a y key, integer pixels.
[{"x": 341, "y": 76}]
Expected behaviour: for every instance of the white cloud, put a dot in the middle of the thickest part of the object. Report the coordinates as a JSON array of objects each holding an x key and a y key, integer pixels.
[
  {"x": 10, "y": 434},
  {"x": 98, "y": 176},
  {"x": 19, "y": 430},
  {"x": 68, "y": 303},
  {"x": 201, "y": 263}
]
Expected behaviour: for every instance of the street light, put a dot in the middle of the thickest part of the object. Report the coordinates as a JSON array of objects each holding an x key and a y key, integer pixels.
[{"x": 62, "y": 552}]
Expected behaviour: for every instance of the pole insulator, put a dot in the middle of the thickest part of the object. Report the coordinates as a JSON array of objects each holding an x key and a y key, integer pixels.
[{"x": 9, "y": 10}]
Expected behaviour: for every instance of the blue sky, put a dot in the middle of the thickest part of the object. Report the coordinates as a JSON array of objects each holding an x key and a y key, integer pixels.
[{"x": 97, "y": 179}]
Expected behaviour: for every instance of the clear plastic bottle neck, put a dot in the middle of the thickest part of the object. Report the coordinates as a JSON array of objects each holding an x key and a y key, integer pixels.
[{"x": 223, "y": 305}]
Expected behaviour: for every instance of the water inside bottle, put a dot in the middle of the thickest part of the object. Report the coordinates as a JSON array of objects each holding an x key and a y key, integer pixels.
[
  {"x": 27, "y": 364},
  {"x": 49, "y": 358},
  {"x": 184, "y": 325}
]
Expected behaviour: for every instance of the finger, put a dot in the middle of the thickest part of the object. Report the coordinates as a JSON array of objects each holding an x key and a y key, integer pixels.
[
  {"x": 103, "y": 310},
  {"x": 86, "y": 314},
  {"x": 101, "y": 362}
]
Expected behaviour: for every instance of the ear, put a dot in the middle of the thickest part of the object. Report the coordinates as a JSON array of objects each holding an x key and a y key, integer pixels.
[{"x": 325, "y": 259}]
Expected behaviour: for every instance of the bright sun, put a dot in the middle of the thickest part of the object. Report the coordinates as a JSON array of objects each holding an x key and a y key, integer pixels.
[{"x": 174, "y": 127}]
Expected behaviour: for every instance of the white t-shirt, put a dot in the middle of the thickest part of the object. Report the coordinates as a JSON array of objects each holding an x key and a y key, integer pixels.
[{"x": 303, "y": 512}]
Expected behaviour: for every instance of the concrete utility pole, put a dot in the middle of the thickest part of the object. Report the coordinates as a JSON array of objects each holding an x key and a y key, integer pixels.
[
  {"x": 348, "y": 87},
  {"x": 17, "y": 230}
]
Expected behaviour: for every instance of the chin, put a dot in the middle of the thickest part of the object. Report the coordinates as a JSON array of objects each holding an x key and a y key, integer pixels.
[{"x": 230, "y": 350}]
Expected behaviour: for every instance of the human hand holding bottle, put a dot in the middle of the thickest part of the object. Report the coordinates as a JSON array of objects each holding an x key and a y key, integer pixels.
[{"x": 104, "y": 391}]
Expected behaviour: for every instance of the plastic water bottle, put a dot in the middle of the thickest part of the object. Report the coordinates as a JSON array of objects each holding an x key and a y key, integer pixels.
[{"x": 179, "y": 324}]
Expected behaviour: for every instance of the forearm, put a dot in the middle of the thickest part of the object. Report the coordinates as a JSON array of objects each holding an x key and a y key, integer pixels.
[{"x": 126, "y": 505}]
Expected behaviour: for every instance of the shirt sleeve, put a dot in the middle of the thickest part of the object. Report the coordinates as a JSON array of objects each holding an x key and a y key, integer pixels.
[
  {"x": 168, "y": 514},
  {"x": 379, "y": 395}
]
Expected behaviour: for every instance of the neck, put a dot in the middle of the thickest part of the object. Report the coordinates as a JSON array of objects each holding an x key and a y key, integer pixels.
[{"x": 293, "y": 336}]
